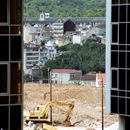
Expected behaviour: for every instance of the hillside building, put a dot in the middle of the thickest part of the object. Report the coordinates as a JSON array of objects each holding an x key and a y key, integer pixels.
[
  {"x": 61, "y": 27},
  {"x": 37, "y": 55}
]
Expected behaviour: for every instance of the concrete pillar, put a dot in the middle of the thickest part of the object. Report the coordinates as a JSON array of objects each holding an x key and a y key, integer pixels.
[{"x": 121, "y": 123}]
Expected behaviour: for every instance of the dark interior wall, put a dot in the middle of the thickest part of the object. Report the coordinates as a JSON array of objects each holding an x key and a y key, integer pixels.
[{"x": 11, "y": 65}]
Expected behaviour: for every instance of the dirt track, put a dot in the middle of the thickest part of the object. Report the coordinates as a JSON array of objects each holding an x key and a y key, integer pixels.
[{"x": 87, "y": 110}]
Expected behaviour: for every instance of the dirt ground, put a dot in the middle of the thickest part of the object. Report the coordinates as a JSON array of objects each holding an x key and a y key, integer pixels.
[{"x": 87, "y": 111}]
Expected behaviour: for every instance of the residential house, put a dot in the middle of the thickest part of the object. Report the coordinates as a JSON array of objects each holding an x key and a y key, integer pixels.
[{"x": 63, "y": 76}]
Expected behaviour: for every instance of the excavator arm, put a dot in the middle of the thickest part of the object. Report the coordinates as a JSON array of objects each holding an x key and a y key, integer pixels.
[
  {"x": 55, "y": 104},
  {"x": 41, "y": 112}
]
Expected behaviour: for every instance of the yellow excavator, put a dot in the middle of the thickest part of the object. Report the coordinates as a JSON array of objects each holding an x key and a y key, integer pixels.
[{"x": 41, "y": 112}]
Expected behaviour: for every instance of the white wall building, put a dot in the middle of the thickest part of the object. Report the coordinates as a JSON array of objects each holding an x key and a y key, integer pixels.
[
  {"x": 51, "y": 51},
  {"x": 58, "y": 29},
  {"x": 64, "y": 75},
  {"x": 44, "y": 16},
  {"x": 77, "y": 39}
]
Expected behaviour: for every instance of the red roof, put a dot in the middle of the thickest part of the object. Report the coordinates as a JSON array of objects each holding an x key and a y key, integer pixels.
[{"x": 65, "y": 70}]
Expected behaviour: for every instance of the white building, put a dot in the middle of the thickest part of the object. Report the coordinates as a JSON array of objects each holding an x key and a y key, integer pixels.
[
  {"x": 51, "y": 51},
  {"x": 38, "y": 55},
  {"x": 77, "y": 39},
  {"x": 31, "y": 33},
  {"x": 58, "y": 28},
  {"x": 44, "y": 16},
  {"x": 64, "y": 75}
]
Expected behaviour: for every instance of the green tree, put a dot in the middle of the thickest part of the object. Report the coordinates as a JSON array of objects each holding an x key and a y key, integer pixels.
[
  {"x": 65, "y": 8},
  {"x": 89, "y": 57}
]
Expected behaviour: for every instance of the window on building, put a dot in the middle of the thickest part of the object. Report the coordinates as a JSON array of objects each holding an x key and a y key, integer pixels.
[
  {"x": 114, "y": 92},
  {"x": 15, "y": 6},
  {"x": 3, "y": 11},
  {"x": 122, "y": 103},
  {"x": 114, "y": 59},
  {"x": 122, "y": 59},
  {"x": 128, "y": 33},
  {"x": 122, "y": 79},
  {"x": 114, "y": 78},
  {"x": 122, "y": 33},
  {"x": 4, "y": 29},
  {"x": 4, "y": 114},
  {"x": 123, "y": 1},
  {"x": 128, "y": 59},
  {"x": 114, "y": 105},
  {"x": 115, "y": 13},
  {"x": 15, "y": 112},
  {"x": 128, "y": 106},
  {"x": 4, "y": 49},
  {"x": 128, "y": 80},
  {"x": 16, "y": 30},
  {"x": 123, "y": 12},
  {"x": 15, "y": 78},
  {"x": 3, "y": 78},
  {"x": 16, "y": 48},
  {"x": 114, "y": 33}
]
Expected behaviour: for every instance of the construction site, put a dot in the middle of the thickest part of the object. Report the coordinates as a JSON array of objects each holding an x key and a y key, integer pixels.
[{"x": 68, "y": 107}]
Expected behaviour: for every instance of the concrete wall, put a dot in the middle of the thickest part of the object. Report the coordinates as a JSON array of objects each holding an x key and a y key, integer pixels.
[
  {"x": 108, "y": 59},
  {"x": 60, "y": 77}
]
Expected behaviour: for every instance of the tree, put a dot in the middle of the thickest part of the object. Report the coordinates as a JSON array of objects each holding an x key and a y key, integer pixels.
[
  {"x": 65, "y": 8},
  {"x": 89, "y": 57}
]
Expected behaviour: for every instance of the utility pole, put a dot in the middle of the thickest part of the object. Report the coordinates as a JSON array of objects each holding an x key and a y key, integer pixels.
[
  {"x": 101, "y": 84},
  {"x": 50, "y": 84}
]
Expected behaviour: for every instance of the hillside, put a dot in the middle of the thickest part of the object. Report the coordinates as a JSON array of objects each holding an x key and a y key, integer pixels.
[
  {"x": 89, "y": 58},
  {"x": 65, "y": 8}
]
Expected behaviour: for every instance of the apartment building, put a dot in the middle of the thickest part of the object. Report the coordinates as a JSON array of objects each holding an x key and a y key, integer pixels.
[
  {"x": 58, "y": 28},
  {"x": 62, "y": 26},
  {"x": 118, "y": 61},
  {"x": 37, "y": 55},
  {"x": 31, "y": 57},
  {"x": 11, "y": 92}
]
